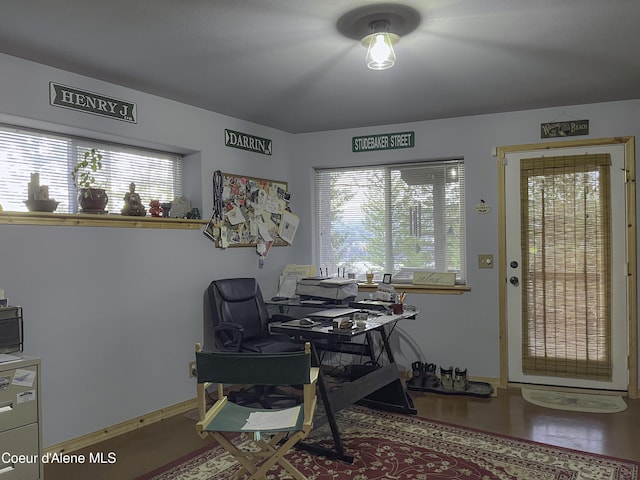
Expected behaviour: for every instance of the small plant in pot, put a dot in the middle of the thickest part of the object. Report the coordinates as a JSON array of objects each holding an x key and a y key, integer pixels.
[{"x": 92, "y": 199}]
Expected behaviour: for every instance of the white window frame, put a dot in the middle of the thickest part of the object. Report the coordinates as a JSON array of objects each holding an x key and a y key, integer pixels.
[
  {"x": 157, "y": 175},
  {"x": 438, "y": 229}
]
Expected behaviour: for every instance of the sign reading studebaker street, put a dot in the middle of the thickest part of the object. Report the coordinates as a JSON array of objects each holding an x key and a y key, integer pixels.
[
  {"x": 69, "y": 97},
  {"x": 384, "y": 141},
  {"x": 247, "y": 142}
]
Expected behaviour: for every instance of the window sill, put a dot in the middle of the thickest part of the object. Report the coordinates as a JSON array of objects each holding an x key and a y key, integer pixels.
[
  {"x": 87, "y": 220},
  {"x": 410, "y": 288}
]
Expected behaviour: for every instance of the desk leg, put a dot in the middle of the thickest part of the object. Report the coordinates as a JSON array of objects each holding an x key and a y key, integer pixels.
[
  {"x": 386, "y": 344},
  {"x": 369, "y": 341},
  {"x": 393, "y": 396},
  {"x": 339, "y": 452}
]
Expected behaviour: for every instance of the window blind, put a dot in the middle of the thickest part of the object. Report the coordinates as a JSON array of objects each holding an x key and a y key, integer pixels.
[
  {"x": 397, "y": 218},
  {"x": 566, "y": 245},
  {"x": 157, "y": 175}
]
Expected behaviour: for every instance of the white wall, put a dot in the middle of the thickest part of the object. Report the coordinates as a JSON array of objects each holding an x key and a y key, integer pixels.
[
  {"x": 118, "y": 348},
  {"x": 458, "y": 330},
  {"x": 114, "y": 313}
]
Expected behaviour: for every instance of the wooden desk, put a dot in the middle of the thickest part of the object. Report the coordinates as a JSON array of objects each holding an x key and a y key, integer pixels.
[{"x": 380, "y": 388}]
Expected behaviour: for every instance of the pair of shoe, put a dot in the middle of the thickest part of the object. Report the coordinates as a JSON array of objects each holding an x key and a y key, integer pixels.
[
  {"x": 424, "y": 375},
  {"x": 451, "y": 379}
]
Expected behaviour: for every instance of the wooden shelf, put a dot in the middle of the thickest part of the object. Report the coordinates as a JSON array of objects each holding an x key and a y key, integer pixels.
[
  {"x": 410, "y": 288},
  {"x": 87, "y": 220}
]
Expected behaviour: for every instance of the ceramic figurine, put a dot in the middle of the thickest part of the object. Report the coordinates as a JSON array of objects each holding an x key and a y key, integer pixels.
[
  {"x": 132, "y": 203},
  {"x": 155, "y": 209},
  {"x": 180, "y": 207}
]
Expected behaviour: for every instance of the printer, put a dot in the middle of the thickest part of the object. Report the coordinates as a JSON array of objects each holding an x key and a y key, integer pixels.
[{"x": 329, "y": 289}]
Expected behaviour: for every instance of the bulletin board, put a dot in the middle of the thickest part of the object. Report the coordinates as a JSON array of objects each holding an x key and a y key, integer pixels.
[{"x": 249, "y": 211}]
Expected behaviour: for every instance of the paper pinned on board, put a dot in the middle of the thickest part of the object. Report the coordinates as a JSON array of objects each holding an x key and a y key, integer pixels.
[
  {"x": 289, "y": 226},
  {"x": 263, "y": 228},
  {"x": 235, "y": 216}
]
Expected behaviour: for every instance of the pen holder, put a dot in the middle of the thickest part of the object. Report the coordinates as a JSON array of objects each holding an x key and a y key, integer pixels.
[{"x": 397, "y": 308}]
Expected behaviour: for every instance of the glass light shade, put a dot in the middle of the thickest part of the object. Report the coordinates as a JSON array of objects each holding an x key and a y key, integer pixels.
[{"x": 380, "y": 54}]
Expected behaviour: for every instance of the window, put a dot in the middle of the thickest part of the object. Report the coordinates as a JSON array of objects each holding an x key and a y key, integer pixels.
[
  {"x": 157, "y": 175},
  {"x": 394, "y": 219}
]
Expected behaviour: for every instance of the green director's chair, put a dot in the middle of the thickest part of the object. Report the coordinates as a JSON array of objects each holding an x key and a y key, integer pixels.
[{"x": 285, "y": 426}]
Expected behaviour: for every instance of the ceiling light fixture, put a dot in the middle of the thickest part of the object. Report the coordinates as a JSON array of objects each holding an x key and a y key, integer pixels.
[
  {"x": 378, "y": 28},
  {"x": 379, "y": 43}
]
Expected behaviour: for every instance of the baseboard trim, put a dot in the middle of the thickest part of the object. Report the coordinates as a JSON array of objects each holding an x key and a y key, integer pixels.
[
  {"x": 120, "y": 428},
  {"x": 557, "y": 388}
]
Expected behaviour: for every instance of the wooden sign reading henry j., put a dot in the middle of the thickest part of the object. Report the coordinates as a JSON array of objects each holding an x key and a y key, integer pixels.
[{"x": 89, "y": 102}]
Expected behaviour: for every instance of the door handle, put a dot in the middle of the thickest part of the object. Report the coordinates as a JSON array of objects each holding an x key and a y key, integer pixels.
[{"x": 514, "y": 281}]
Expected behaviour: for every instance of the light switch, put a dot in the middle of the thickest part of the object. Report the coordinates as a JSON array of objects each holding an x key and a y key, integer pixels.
[{"x": 485, "y": 260}]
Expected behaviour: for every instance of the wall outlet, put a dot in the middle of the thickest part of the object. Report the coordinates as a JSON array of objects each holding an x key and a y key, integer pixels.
[
  {"x": 192, "y": 369},
  {"x": 485, "y": 261}
]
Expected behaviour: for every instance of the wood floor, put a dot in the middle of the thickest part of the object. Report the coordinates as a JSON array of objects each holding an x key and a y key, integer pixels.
[{"x": 614, "y": 434}]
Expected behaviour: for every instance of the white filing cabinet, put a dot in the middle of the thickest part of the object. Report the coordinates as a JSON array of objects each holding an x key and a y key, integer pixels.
[{"x": 20, "y": 422}]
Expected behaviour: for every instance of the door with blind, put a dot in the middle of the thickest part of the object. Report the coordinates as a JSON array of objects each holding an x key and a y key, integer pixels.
[{"x": 566, "y": 267}]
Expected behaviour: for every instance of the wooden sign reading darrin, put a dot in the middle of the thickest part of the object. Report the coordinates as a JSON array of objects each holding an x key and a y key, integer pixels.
[
  {"x": 247, "y": 142},
  {"x": 68, "y": 97}
]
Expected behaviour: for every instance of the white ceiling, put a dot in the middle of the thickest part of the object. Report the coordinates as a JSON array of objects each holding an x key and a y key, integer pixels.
[{"x": 283, "y": 63}]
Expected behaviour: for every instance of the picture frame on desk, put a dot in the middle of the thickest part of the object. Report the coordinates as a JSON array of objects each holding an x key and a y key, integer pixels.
[{"x": 386, "y": 278}]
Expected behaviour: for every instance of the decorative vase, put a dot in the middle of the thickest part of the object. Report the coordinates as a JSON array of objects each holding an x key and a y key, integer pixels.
[{"x": 93, "y": 200}]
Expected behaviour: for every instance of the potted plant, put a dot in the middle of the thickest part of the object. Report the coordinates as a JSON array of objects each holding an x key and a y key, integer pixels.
[{"x": 92, "y": 199}]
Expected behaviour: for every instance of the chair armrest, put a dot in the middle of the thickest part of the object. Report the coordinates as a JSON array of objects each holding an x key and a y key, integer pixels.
[
  {"x": 310, "y": 397},
  {"x": 234, "y": 330},
  {"x": 209, "y": 415},
  {"x": 313, "y": 375},
  {"x": 281, "y": 317}
]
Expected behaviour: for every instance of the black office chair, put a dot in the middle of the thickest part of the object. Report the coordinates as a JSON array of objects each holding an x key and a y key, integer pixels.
[{"x": 238, "y": 321}]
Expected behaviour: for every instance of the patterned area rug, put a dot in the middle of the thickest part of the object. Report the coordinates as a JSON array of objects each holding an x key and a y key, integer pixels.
[
  {"x": 391, "y": 446},
  {"x": 577, "y": 402}
]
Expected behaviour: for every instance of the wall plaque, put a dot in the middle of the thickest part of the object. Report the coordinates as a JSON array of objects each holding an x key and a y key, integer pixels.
[
  {"x": 570, "y": 128},
  {"x": 440, "y": 279},
  {"x": 69, "y": 97}
]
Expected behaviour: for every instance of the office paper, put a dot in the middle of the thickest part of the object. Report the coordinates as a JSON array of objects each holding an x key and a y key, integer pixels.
[
  {"x": 287, "y": 287},
  {"x": 289, "y": 226},
  {"x": 273, "y": 420},
  {"x": 334, "y": 312},
  {"x": 23, "y": 378}
]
